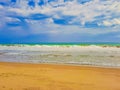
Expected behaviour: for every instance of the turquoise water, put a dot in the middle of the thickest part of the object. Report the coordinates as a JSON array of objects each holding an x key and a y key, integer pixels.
[{"x": 65, "y": 44}]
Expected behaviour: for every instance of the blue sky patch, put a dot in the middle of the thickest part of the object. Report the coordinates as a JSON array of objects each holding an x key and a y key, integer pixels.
[{"x": 37, "y": 16}]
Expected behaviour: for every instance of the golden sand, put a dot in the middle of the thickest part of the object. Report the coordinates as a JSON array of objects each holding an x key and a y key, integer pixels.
[{"x": 14, "y": 76}]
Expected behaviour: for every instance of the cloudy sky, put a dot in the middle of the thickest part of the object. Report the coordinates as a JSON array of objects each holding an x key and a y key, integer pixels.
[{"x": 35, "y": 21}]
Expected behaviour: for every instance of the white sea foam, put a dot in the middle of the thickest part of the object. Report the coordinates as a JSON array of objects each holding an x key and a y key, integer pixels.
[{"x": 75, "y": 54}]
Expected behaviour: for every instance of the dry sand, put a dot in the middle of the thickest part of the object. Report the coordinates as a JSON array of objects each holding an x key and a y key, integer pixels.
[{"x": 14, "y": 76}]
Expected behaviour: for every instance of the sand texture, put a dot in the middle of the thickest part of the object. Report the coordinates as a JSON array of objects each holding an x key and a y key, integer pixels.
[{"x": 14, "y": 76}]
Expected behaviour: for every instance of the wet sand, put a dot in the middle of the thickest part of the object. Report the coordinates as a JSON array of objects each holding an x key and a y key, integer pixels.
[{"x": 15, "y": 76}]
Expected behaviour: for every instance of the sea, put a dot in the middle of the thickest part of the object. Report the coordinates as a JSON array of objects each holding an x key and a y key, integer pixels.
[{"x": 93, "y": 54}]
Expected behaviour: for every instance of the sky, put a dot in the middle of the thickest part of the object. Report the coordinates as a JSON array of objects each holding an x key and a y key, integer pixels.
[{"x": 36, "y": 21}]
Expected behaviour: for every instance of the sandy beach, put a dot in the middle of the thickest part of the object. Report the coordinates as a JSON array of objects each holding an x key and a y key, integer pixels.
[
  {"x": 59, "y": 68},
  {"x": 15, "y": 76},
  {"x": 59, "y": 44}
]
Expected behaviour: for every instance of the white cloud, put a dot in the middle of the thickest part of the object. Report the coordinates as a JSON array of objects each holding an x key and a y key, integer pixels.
[
  {"x": 115, "y": 21},
  {"x": 1, "y": 7},
  {"x": 10, "y": 19},
  {"x": 40, "y": 27},
  {"x": 83, "y": 12}
]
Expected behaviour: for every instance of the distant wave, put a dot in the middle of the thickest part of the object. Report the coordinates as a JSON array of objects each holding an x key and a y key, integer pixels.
[{"x": 65, "y": 44}]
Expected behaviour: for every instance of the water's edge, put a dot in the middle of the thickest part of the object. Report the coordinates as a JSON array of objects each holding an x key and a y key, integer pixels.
[{"x": 74, "y": 55}]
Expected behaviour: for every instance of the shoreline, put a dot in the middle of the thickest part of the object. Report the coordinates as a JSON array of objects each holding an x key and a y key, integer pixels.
[
  {"x": 62, "y": 64},
  {"x": 117, "y": 45}
]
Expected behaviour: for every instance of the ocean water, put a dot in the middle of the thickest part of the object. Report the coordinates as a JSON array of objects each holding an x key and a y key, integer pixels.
[
  {"x": 65, "y": 53},
  {"x": 64, "y": 44}
]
